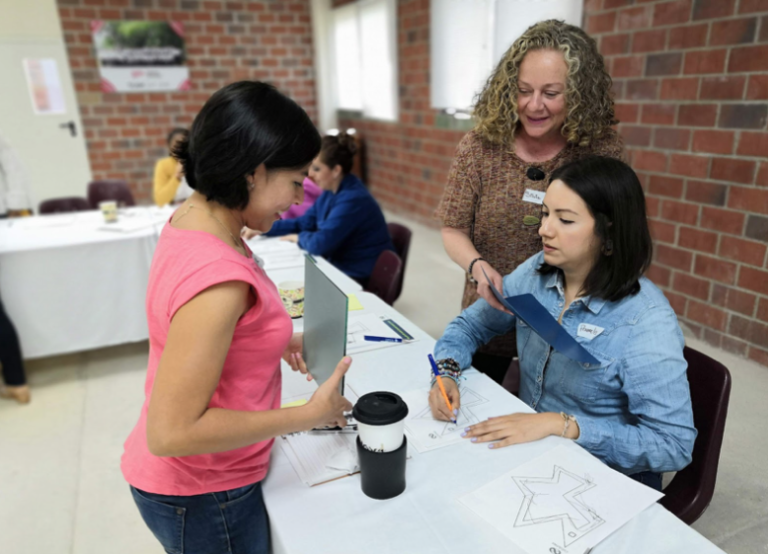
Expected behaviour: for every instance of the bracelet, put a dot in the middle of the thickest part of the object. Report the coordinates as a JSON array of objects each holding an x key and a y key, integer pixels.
[
  {"x": 469, "y": 269},
  {"x": 447, "y": 367},
  {"x": 567, "y": 418}
]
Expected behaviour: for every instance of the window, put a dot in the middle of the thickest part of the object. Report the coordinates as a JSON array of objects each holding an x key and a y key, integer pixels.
[
  {"x": 468, "y": 38},
  {"x": 365, "y": 58}
]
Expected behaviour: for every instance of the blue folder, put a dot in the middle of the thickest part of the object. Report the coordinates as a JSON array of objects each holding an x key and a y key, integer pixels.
[{"x": 536, "y": 316}]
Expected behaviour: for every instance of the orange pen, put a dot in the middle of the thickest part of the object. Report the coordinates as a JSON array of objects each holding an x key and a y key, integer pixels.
[{"x": 440, "y": 383}]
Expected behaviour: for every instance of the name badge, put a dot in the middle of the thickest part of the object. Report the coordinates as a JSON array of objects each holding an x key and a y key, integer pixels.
[
  {"x": 533, "y": 196},
  {"x": 587, "y": 331}
]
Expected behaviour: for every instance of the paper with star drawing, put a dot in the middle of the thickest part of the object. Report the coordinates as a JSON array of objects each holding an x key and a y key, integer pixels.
[{"x": 563, "y": 502}]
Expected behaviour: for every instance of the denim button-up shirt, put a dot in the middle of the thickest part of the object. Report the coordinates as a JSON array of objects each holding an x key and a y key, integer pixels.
[{"x": 634, "y": 407}]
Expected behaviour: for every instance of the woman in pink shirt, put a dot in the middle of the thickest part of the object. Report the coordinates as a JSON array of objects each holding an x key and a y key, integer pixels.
[{"x": 218, "y": 331}]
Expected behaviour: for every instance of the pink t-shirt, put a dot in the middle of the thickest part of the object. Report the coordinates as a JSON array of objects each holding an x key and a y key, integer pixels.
[
  {"x": 311, "y": 193},
  {"x": 186, "y": 263}
]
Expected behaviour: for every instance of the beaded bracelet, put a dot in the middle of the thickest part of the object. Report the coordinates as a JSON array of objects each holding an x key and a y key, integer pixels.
[{"x": 448, "y": 367}]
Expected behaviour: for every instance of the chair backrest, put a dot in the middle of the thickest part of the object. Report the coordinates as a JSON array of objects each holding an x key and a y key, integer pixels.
[
  {"x": 401, "y": 238},
  {"x": 99, "y": 191},
  {"x": 385, "y": 275},
  {"x": 65, "y": 204},
  {"x": 690, "y": 491}
]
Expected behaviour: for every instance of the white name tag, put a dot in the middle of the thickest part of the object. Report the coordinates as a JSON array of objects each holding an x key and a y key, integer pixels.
[
  {"x": 587, "y": 331},
  {"x": 533, "y": 196}
]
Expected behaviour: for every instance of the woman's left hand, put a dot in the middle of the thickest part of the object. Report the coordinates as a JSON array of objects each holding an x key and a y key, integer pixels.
[
  {"x": 292, "y": 355},
  {"x": 290, "y": 238},
  {"x": 515, "y": 429}
]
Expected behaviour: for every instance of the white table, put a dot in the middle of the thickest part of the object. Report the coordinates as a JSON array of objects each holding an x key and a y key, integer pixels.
[
  {"x": 337, "y": 517},
  {"x": 67, "y": 285}
]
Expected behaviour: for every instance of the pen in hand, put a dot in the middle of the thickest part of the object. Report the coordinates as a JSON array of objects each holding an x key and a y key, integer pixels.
[{"x": 439, "y": 380}]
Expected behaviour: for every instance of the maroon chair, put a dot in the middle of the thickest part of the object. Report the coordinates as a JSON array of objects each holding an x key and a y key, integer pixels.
[
  {"x": 99, "y": 191},
  {"x": 690, "y": 491},
  {"x": 63, "y": 205},
  {"x": 385, "y": 276},
  {"x": 511, "y": 380},
  {"x": 401, "y": 238}
]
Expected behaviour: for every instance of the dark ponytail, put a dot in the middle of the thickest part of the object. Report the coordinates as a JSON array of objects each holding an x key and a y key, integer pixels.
[{"x": 339, "y": 150}]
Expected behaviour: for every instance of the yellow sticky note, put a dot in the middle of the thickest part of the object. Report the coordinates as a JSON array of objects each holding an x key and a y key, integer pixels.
[
  {"x": 294, "y": 404},
  {"x": 354, "y": 303}
]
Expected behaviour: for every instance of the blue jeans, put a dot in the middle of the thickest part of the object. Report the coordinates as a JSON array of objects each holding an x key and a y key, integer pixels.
[
  {"x": 648, "y": 478},
  {"x": 228, "y": 522}
]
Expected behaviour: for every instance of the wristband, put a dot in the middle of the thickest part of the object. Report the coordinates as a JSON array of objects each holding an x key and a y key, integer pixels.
[{"x": 469, "y": 269}]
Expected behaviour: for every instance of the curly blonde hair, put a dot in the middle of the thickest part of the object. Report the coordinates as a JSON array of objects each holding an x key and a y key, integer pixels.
[{"x": 588, "y": 94}]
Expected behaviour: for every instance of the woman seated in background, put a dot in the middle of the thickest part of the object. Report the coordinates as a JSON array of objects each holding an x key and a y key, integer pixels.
[
  {"x": 311, "y": 193},
  {"x": 633, "y": 408},
  {"x": 169, "y": 185},
  {"x": 345, "y": 225}
]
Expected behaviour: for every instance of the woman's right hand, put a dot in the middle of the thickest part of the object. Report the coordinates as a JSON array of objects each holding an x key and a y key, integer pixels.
[
  {"x": 484, "y": 289},
  {"x": 248, "y": 233},
  {"x": 437, "y": 402},
  {"x": 329, "y": 406}
]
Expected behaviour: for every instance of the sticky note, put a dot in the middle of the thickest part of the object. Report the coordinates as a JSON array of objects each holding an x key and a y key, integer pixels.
[
  {"x": 354, "y": 303},
  {"x": 294, "y": 404}
]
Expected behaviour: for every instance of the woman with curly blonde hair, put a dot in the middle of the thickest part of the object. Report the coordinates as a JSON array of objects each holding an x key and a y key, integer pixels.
[{"x": 547, "y": 103}]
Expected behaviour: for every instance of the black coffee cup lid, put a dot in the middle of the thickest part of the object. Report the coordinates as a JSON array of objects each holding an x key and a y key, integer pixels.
[{"x": 380, "y": 408}]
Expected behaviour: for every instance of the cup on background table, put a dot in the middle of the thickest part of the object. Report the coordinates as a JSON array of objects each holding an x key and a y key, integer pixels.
[
  {"x": 381, "y": 443},
  {"x": 109, "y": 210},
  {"x": 292, "y": 295}
]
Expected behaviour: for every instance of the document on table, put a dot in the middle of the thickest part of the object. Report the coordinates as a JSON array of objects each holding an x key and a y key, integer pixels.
[
  {"x": 44, "y": 221},
  {"x": 477, "y": 404},
  {"x": 564, "y": 501},
  {"x": 319, "y": 458},
  {"x": 276, "y": 253},
  {"x": 358, "y": 326}
]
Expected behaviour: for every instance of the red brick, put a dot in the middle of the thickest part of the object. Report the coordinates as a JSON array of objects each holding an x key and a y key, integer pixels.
[
  {"x": 748, "y": 199},
  {"x": 713, "y": 337},
  {"x": 753, "y": 144},
  {"x": 661, "y": 231},
  {"x": 758, "y": 355},
  {"x": 689, "y": 36},
  {"x": 669, "y": 13},
  {"x": 757, "y": 87},
  {"x": 627, "y": 113},
  {"x": 673, "y": 257},
  {"x": 749, "y": 330},
  {"x": 762, "y": 309},
  {"x": 706, "y": 193},
  {"x": 692, "y": 286},
  {"x": 710, "y": 9},
  {"x": 705, "y": 61},
  {"x": 691, "y": 166},
  {"x": 635, "y": 136},
  {"x": 659, "y": 275},
  {"x": 683, "y": 88},
  {"x": 723, "y": 88},
  {"x": 734, "y": 346},
  {"x": 748, "y": 59},
  {"x": 648, "y": 160},
  {"x": 610, "y": 45},
  {"x": 722, "y": 220},
  {"x": 672, "y": 139},
  {"x": 751, "y": 6},
  {"x": 627, "y": 66},
  {"x": 642, "y": 89},
  {"x": 707, "y": 315},
  {"x": 713, "y": 142},
  {"x": 680, "y": 212},
  {"x": 745, "y": 251},
  {"x": 601, "y": 23},
  {"x": 665, "y": 186},
  {"x": 754, "y": 279},
  {"x": 652, "y": 205},
  {"x": 611, "y": 4},
  {"x": 695, "y": 239},
  {"x": 697, "y": 115},
  {"x": 733, "y": 170},
  {"x": 733, "y": 31},
  {"x": 677, "y": 301},
  {"x": 762, "y": 175},
  {"x": 659, "y": 114},
  {"x": 649, "y": 41},
  {"x": 634, "y": 18},
  {"x": 713, "y": 268}
]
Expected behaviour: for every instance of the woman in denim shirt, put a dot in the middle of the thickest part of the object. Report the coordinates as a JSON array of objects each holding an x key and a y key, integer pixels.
[{"x": 633, "y": 409}]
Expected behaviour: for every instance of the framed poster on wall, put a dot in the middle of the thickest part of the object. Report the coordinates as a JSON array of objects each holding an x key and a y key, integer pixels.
[{"x": 141, "y": 56}]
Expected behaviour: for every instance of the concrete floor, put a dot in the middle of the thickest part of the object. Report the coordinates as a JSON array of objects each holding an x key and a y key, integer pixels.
[{"x": 61, "y": 490}]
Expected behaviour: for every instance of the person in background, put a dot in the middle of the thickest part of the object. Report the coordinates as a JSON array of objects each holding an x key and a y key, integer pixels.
[
  {"x": 15, "y": 379},
  {"x": 218, "y": 330},
  {"x": 548, "y": 102},
  {"x": 169, "y": 184},
  {"x": 345, "y": 225},
  {"x": 631, "y": 409},
  {"x": 311, "y": 193}
]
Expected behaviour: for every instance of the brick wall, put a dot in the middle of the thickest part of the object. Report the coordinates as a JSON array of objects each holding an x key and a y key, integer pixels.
[
  {"x": 269, "y": 40},
  {"x": 691, "y": 82}
]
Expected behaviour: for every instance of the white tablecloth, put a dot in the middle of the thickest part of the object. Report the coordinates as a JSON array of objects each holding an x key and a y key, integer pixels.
[
  {"x": 68, "y": 285},
  {"x": 336, "y": 517}
]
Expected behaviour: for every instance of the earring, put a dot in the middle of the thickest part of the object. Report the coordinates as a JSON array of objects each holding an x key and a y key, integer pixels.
[
  {"x": 251, "y": 185},
  {"x": 608, "y": 247}
]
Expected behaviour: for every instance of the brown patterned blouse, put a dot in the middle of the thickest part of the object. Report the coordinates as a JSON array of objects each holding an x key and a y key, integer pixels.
[{"x": 484, "y": 193}]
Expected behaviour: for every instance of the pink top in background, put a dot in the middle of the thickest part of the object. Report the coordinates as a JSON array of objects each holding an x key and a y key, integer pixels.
[
  {"x": 311, "y": 193},
  {"x": 186, "y": 263}
]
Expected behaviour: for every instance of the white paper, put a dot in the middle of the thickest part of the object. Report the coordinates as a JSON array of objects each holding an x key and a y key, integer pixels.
[
  {"x": 46, "y": 221},
  {"x": 426, "y": 433},
  {"x": 564, "y": 502},
  {"x": 44, "y": 86},
  {"x": 276, "y": 253},
  {"x": 359, "y": 326}
]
